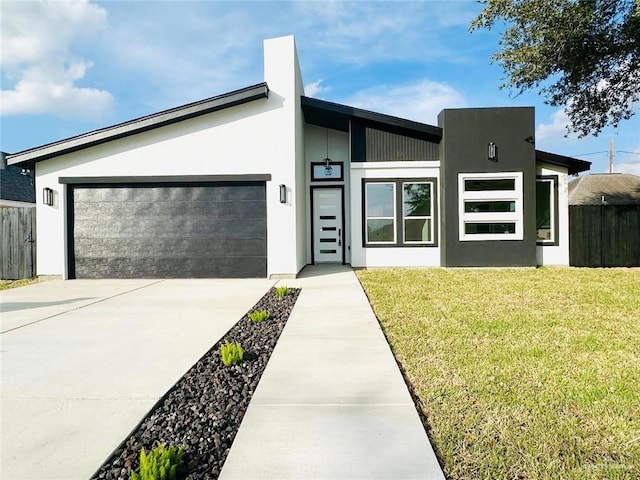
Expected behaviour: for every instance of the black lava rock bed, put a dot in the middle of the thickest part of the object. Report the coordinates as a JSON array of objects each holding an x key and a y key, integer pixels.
[{"x": 204, "y": 409}]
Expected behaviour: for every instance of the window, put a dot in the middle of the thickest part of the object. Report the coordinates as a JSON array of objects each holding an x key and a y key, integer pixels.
[
  {"x": 490, "y": 206},
  {"x": 546, "y": 209},
  {"x": 321, "y": 171},
  {"x": 380, "y": 208},
  {"x": 417, "y": 214},
  {"x": 399, "y": 212}
]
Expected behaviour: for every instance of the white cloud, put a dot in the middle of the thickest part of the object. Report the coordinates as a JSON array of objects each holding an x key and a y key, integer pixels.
[
  {"x": 420, "y": 101},
  {"x": 315, "y": 89},
  {"x": 557, "y": 129},
  {"x": 358, "y": 33},
  {"x": 632, "y": 167},
  {"x": 38, "y": 62}
]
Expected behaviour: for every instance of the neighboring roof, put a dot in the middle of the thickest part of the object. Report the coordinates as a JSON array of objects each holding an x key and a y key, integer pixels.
[
  {"x": 15, "y": 184},
  {"x": 573, "y": 165},
  {"x": 616, "y": 188},
  {"x": 149, "y": 122},
  {"x": 337, "y": 116}
]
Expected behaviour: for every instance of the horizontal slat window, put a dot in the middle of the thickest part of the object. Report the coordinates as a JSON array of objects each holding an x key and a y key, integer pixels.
[{"x": 490, "y": 206}]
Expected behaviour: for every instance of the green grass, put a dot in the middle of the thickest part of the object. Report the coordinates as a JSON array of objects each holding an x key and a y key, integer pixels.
[
  {"x": 522, "y": 374},
  {"x": 7, "y": 284}
]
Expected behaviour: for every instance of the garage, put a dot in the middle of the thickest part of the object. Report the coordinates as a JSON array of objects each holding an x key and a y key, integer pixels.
[{"x": 166, "y": 229}]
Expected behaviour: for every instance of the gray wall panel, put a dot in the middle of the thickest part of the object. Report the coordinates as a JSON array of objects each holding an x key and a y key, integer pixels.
[
  {"x": 467, "y": 133},
  {"x": 372, "y": 143}
]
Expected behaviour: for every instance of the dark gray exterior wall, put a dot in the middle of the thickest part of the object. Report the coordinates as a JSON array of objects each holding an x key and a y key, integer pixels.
[
  {"x": 168, "y": 230},
  {"x": 463, "y": 149},
  {"x": 374, "y": 143}
]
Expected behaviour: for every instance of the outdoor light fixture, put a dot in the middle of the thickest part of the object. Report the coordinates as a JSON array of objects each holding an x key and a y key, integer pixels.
[
  {"x": 283, "y": 193},
  {"x": 47, "y": 196},
  {"x": 492, "y": 152},
  {"x": 327, "y": 166},
  {"x": 327, "y": 161}
]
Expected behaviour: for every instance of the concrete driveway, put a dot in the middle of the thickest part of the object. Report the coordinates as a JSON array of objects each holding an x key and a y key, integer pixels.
[{"x": 84, "y": 360}]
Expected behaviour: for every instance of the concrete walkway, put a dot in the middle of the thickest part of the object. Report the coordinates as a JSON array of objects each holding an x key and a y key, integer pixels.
[
  {"x": 83, "y": 361},
  {"x": 332, "y": 403}
]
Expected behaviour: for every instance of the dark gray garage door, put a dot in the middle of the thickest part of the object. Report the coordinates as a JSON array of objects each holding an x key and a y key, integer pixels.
[{"x": 168, "y": 231}]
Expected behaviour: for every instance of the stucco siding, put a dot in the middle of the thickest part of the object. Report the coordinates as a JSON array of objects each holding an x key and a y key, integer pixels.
[
  {"x": 391, "y": 256},
  {"x": 557, "y": 254},
  {"x": 255, "y": 138}
]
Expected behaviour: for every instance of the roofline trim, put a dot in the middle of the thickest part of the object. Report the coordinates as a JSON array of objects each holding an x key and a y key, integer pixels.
[
  {"x": 142, "y": 124},
  {"x": 362, "y": 114},
  {"x": 573, "y": 165}
]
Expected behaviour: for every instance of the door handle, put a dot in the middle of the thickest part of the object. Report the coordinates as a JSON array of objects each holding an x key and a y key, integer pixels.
[{"x": 339, "y": 237}]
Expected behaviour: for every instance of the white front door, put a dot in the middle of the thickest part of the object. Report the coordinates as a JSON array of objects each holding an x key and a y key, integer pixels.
[{"x": 328, "y": 237}]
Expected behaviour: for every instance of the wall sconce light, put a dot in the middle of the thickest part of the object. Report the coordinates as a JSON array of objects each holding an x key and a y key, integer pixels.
[
  {"x": 283, "y": 193},
  {"x": 47, "y": 196},
  {"x": 492, "y": 152}
]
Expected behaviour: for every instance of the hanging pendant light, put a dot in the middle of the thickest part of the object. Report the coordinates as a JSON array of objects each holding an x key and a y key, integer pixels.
[{"x": 328, "y": 169}]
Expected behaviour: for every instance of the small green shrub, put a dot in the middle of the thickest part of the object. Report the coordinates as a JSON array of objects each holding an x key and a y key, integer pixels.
[
  {"x": 159, "y": 464},
  {"x": 259, "y": 316},
  {"x": 231, "y": 353},
  {"x": 282, "y": 292}
]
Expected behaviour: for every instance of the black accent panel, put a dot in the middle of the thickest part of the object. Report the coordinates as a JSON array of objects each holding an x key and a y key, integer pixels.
[
  {"x": 168, "y": 230},
  {"x": 372, "y": 142}
]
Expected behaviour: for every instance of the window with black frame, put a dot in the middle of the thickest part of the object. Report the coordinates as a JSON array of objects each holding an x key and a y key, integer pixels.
[{"x": 399, "y": 212}]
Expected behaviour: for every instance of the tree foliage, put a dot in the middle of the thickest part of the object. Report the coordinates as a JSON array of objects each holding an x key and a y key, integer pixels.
[{"x": 581, "y": 54}]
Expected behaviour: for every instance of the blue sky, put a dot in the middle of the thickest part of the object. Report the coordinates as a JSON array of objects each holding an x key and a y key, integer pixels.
[{"x": 73, "y": 67}]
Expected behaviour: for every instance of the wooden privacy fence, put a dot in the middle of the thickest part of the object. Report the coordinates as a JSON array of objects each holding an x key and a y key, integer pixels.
[
  {"x": 18, "y": 243},
  {"x": 604, "y": 235}
]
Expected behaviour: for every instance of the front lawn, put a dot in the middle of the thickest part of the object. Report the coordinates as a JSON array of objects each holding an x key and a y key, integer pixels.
[{"x": 522, "y": 373}]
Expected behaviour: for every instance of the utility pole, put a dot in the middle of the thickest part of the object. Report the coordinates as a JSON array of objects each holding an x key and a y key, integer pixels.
[{"x": 611, "y": 155}]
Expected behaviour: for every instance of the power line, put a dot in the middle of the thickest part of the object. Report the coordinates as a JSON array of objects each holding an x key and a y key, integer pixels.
[
  {"x": 592, "y": 153},
  {"x": 630, "y": 153}
]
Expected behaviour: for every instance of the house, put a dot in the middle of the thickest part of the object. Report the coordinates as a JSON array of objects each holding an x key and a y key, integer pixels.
[
  {"x": 262, "y": 181},
  {"x": 17, "y": 188},
  {"x": 605, "y": 189}
]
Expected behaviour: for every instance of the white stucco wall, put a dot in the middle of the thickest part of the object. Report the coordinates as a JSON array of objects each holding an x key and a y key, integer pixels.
[
  {"x": 557, "y": 254},
  {"x": 255, "y": 138},
  {"x": 394, "y": 256},
  {"x": 301, "y": 170},
  {"x": 284, "y": 127}
]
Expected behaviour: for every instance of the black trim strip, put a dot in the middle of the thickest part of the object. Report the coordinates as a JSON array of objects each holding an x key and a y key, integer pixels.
[
  {"x": 573, "y": 165},
  {"x": 262, "y": 177}
]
